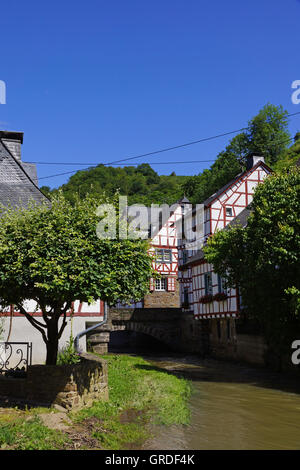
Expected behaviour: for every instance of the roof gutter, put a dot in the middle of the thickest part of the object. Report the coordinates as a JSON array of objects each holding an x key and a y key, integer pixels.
[{"x": 84, "y": 332}]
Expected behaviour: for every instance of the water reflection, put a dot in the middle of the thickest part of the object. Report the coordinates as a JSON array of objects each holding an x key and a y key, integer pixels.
[{"x": 233, "y": 407}]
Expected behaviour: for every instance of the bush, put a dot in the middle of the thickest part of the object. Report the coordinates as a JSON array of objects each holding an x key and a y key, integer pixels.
[{"x": 68, "y": 355}]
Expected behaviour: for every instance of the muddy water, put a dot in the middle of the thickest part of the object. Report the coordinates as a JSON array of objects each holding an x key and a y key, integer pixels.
[{"x": 233, "y": 407}]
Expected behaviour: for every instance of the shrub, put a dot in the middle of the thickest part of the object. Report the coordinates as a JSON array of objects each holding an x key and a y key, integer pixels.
[{"x": 68, "y": 355}]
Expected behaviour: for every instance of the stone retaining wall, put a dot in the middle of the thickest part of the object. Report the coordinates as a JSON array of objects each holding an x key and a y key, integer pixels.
[{"x": 70, "y": 386}]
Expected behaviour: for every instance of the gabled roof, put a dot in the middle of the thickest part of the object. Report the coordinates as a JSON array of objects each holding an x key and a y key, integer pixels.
[
  {"x": 222, "y": 190},
  {"x": 16, "y": 186},
  {"x": 240, "y": 219}
]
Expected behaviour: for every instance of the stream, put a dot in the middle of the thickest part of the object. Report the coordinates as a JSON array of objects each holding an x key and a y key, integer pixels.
[{"x": 232, "y": 407}]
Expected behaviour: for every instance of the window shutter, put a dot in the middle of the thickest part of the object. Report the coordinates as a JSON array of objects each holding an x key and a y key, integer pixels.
[
  {"x": 171, "y": 284},
  {"x": 151, "y": 284}
]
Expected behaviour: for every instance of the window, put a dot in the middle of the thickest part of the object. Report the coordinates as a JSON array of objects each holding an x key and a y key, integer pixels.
[
  {"x": 161, "y": 284},
  {"x": 208, "y": 283},
  {"x": 163, "y": 255},
  {"x": 184, "y": 256},
  {"x": 228, "y": 211},
  {"x": 221, "y": 285}
]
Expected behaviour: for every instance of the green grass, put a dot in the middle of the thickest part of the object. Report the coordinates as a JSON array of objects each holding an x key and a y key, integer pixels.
[
  {"x": 139, "y": 393},
  {"x": 30, "y": 434}
]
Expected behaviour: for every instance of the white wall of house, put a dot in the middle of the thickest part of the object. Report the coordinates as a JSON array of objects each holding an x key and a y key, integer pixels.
[{"x": 23, "y": 331}]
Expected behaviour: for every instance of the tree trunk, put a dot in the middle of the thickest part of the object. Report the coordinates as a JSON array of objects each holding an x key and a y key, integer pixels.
[{"x": 52, "y": 343}]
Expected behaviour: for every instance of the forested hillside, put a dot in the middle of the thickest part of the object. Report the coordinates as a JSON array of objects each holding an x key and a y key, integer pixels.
[
  {"x": 141, "y": 184},
  {"x": 291, "y": 156},
  {"x": 267, "y": 134}
]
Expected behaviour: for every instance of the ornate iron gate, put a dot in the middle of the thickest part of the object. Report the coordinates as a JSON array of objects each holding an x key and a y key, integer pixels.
[{"x": 15, "y": 358}]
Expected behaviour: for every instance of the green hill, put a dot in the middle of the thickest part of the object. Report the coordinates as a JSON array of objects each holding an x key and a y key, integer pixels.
[
  {"x": 291, "y": 157},
  {"x": 267, "y": 135},
  {"x": 141, "y": 184}
]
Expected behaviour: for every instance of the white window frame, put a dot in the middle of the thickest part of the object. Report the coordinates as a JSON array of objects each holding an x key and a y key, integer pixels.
[
  {"x": 228, "y": 208},
  {"x": 161, "y": 284}
]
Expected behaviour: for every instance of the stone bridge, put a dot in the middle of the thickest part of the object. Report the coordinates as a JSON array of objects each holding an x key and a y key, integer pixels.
[{"x": 178, "y": 330}]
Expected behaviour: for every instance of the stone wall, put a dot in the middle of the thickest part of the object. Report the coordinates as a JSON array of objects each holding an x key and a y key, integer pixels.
[
  {"x": 251, "y": 348},
  {"x": 177, "y": 329},
  {"x": 163, "y": 299},
  {"x": 192, "y": 335},
  {"x": 70, "y": 386},
  {"x": 226, "y": 343}
]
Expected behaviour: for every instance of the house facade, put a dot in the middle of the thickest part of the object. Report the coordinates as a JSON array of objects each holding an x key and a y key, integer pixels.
[
  {"x": 163, "y": 234},
  {"x": 202, "y": 291}
]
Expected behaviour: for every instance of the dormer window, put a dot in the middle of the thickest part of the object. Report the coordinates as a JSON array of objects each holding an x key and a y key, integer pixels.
[{"x": 228, "y": 211}]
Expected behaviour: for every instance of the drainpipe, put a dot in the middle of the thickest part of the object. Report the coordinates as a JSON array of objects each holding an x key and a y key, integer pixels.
[{"x": 83, "y": 333}]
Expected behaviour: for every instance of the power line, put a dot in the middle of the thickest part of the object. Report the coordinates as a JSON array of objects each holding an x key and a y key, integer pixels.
[
  {"x": 146, "y": 154},
  {"x": 132, "y": 164},
  {"x": 158, "y": 152},
  {"x": 140, "y": 163},
  {"x": 151, "y": 163}
]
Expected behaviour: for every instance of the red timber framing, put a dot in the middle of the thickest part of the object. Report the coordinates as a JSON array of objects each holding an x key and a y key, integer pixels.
[
  {"x": 234, "y": 198},
  {"x": 164, "y": 249},
  {"x": 219, "y": 211},
  {"x": 78, "y": 309}
]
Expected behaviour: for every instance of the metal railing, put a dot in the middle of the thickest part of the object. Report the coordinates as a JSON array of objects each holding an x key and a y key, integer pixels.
[{"x": 15, "y": 358}]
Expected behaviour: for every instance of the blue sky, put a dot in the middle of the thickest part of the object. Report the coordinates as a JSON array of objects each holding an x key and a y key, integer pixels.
[{"x": 97, "y": 81}]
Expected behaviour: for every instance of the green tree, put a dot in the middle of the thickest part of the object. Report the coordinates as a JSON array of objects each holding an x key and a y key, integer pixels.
[
  {"x": 291, "y": 157},
  {"x": 266, "y": 135},
  {"x": 142, "y": 184},
  {"x": 54, "y": 256},
  {"x": 263, "y": 259}
]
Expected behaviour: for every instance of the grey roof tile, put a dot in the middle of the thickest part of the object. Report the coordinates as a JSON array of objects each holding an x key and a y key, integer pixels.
[{"x": 16, "y": 186}]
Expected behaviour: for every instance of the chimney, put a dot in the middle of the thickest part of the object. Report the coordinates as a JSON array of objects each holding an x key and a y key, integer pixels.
[
  {"x": 252, "y": 159},
  {"x": 13, "y": 141}
]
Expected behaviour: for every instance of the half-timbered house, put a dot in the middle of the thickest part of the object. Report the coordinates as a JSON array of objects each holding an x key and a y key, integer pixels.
[
  {"x": 201, "y": 290},
  {"x": 163, "y": 235}
]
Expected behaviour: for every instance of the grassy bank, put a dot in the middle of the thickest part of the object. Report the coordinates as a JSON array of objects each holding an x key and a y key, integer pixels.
[
  {"x": 24, "y": 430},
  {"x": 141, "y": 395}
]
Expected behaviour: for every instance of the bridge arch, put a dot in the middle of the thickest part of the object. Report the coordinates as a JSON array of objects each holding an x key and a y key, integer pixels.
[{"x": 161, "y": 334}]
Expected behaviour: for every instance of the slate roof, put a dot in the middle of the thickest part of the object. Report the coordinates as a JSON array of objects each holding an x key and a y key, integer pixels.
[
  {"x": 16, "y": 186},
  {"x": 240, "y": 219}
]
